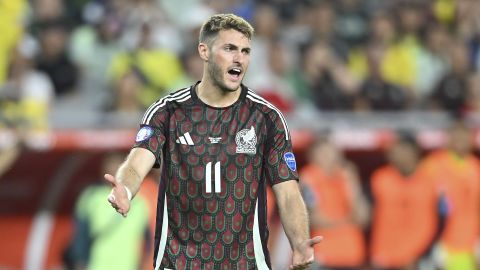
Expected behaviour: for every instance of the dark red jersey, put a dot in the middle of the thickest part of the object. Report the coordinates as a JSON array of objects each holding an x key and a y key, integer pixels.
[{"x": 216, "y": 163}]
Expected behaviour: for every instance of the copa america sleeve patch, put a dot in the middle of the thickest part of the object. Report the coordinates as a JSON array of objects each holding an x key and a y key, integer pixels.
[
  {"x": 290, "y": 160},
  {"x": 144, "y": 133}
]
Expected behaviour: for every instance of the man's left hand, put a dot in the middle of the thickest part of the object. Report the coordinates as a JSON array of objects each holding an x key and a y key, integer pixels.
[{"x": 303, "y": 254}]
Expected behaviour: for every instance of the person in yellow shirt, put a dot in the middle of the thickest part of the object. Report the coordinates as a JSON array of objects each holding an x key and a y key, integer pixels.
[
  {"x": 98, "y": 232},
  {"x": 12, "y": 14},
  {"x": 26, "y": 95},
  {"x": 159, "y": 68},
  {"x": 397, "y": 63}
]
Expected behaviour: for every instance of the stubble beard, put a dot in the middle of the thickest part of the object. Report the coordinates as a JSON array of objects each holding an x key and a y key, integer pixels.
[{"x": 215, "y": 73}]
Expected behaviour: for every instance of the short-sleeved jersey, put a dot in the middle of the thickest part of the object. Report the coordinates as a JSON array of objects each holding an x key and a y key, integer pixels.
[{"x": 216, "y": 163}]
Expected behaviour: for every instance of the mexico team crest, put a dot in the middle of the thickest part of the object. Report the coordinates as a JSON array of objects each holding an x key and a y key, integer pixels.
[{"x": 246, "y": 141}]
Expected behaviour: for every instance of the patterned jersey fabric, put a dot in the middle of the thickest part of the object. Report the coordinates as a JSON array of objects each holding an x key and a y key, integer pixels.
[{"x": 216, "y": 163}]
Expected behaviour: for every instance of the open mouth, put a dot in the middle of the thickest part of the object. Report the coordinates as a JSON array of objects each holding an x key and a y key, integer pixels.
[{"x": 235, "y": 72}]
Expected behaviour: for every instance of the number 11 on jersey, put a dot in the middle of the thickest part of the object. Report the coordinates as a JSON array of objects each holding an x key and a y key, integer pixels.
[{"x": 208, "y": 177}]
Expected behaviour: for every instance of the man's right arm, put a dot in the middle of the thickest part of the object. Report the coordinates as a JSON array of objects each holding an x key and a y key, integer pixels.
[{"x": 129, "y": 176}]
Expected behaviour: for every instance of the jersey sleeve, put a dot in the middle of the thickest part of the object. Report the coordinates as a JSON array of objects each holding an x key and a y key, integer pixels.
[
  {"x": 152, "y": 133},
  {"x": 280, "y": 160}
]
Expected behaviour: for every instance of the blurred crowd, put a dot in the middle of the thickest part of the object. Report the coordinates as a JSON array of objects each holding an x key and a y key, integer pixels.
[{"x": 118, "y": 56}]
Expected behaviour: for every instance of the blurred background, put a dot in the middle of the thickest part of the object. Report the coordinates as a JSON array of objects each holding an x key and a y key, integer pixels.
[{"x": 382, "y": 99}]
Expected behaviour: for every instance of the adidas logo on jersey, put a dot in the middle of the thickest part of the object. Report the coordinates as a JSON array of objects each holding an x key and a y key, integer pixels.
[{"x": 185, "y": 139}]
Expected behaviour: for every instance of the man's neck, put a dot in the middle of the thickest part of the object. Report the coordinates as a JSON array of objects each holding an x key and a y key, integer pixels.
[{"x": 213, "y": 96}]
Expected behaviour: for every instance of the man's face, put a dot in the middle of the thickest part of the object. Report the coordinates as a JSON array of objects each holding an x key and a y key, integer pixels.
[
  {"x": 460, "y": 141},
  {"x": 404, "y": 156},
  {"x": 229, "y": 59}
]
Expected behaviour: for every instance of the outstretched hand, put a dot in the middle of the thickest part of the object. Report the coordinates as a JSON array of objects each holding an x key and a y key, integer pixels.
[
  {"x": 303, "y": 254},
  {"x": 118, "y": 197}
]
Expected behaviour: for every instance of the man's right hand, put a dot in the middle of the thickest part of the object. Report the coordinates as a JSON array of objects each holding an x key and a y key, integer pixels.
[{"x": 118, "y": 197}]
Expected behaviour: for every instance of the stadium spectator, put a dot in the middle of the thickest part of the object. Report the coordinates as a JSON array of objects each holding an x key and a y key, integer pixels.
[
  {"x": 396, "y": 56},
  {"x": 266, "y": 23},
  {"x": 411, "y": 19},
  {"x": 93, "y": 47},
  {"x": 322, "y": 22},
  {"x": 125, "y": 106},
  {"x": 27, "y": 94},
  {"x": 337, "y": 206},
  {"x": 405, "y": 216},
  {"x": 381, "y": 36},
  {"x": 192, "y": 66},
  {"x": 432, "y": 61},
  {"x": 331, "y": 84},
  {"x": 456, "y": 171},
  {"x": 467, "y": 24},
  {"x": 100, "y": 233},
  {"x": 54, "y": 59},
  {"x": 158, "y": 68},
  {"x": 377, "y": 94},
  {"x": 162, "y": 34},
  {"x": 352, "y": 22},
  {"x": 444, "y": 11},
  {"x": 12, "y": 25},
  {"x": 451, "y": 92},
  {"x": 127, "y": 91},
  {"x": 48, "y": 10},
  {"x": 277, "y": 84}
]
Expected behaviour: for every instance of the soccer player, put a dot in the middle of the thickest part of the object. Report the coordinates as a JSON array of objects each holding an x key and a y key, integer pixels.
[{"x": 218, "y": 145}]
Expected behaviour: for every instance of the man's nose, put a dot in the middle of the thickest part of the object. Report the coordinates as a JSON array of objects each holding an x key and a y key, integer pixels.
[{"x": 238, "y": 57}]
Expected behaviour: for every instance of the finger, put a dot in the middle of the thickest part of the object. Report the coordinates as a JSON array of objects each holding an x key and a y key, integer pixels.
[
  {"x": 315, "y": 240},
  {"x": 115, "y": 206},
  {"x": 122, "y": 212},
  {"x": 304, "y": 264},
  {"x": 111, "y": 198},
  {"x": 297, "y": 267},
  {"x": 300, "y": 266},
  {"x": 110, "y": 179}
]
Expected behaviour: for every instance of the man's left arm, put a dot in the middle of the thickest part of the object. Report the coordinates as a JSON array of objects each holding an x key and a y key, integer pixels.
[
  {"x": 281, "y": 173},
  {"x": 294, "y": 217}
]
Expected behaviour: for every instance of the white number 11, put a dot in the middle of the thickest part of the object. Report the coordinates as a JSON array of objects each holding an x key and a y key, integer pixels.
[{"x": 208, "y": 177}]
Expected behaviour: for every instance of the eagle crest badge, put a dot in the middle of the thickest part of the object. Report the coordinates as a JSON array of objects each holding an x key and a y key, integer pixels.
[{"x": 246, "y": 141}]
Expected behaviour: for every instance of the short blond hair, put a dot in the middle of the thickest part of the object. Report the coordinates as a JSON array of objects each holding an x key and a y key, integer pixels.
[{"x": 219, "y": 22}]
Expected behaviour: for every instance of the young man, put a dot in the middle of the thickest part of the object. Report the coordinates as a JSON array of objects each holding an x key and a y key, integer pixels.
[
  {"x": 338, "y": 208},
  {"x": 98, "y": 230},
  {"x": 405, "y": 209},
  {"x": 456, "y": 172},
  {"x": 219, "y": 144}
]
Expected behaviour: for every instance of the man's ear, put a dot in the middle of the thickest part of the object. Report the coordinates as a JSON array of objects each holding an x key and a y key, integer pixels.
[{"x": 203, "y": 51}]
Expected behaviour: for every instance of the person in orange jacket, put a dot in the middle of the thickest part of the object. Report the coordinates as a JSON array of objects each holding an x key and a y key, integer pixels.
[
  {"x": 337, "y": 206},
  {"x": 456, "y": 171},
  {"x": 405, "y": 204}
]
